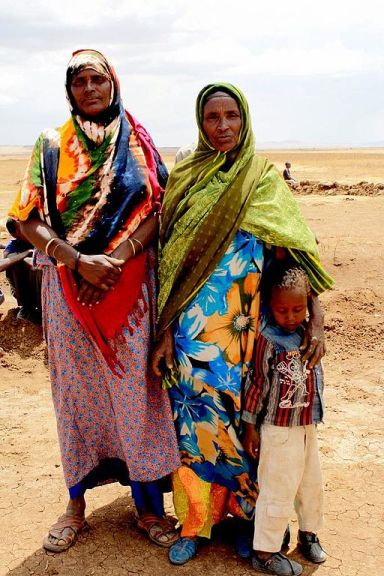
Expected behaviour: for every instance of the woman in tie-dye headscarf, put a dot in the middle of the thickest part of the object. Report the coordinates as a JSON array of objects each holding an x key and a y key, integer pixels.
[{"x": 89, "y": 204}]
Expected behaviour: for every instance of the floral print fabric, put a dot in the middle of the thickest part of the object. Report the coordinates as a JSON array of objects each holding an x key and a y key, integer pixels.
[
  {"x": 214, "y": 338},
  {"x": 99, "y": 415}
]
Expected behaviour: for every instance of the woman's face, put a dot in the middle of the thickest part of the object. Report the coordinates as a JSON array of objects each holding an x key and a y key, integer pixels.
[
  {"x": 222, "y": 122},
  {"x": 91, "y": 92}
]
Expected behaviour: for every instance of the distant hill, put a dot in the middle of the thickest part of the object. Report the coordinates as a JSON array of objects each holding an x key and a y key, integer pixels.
[{"x": 15, "y": 150}]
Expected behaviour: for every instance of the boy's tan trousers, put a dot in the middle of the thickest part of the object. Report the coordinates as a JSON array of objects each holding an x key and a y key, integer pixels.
[{"x": 289, "y": 475}]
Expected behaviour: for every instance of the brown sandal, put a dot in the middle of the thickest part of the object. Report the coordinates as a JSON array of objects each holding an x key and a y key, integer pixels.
[
  {"x": 75, "y": 523},
  {"x": 161, "y": 531}
]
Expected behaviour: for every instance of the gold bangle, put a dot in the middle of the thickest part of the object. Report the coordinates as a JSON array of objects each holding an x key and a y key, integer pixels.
[
  {"x": 133, "y": 247},
  {"x": 48, "y": 245},
  {"x": 56, "y": 247},
  {"x": 137, "y": 240},
  {"x": 77, "y": 261}
]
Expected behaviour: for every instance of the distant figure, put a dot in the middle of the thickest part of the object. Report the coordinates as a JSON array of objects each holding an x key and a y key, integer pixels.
[
  {"x": 185, "y": 151},
  {"x": 24, "y": 279},
  {"x": 288, "y": 176}
]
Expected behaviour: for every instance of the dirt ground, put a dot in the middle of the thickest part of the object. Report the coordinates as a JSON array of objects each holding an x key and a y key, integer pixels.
[{"x": 32, "y": 491}]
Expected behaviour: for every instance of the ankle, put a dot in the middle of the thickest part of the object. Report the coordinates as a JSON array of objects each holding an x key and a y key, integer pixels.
[
  {"x": 76, "y": 506},
  {"x": 261, "y": 555}
]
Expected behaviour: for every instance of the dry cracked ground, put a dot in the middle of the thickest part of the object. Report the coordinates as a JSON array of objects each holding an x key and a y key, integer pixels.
[{"x": 32, "y": 492}]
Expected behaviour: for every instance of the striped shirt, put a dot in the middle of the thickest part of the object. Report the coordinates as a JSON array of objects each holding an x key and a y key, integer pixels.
[{"x": 279, "y": 389}]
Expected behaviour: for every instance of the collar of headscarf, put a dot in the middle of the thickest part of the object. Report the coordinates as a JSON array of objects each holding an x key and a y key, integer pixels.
[{"x": 204, "y": 207}]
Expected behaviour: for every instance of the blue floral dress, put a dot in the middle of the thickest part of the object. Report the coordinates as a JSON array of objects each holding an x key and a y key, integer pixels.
[{"x": 214, "y": 339}]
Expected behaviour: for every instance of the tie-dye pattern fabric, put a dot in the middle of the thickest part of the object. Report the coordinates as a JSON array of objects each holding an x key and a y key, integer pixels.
[
  {"x": 99, "y": 415},
  {"x": 214, "y": 338},
  {"x": 110, "y": 176},
  {"x": 93, "y": 181}
]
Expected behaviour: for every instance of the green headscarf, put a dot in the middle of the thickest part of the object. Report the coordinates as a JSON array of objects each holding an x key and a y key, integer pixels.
[{"x": 204, "y": 207}]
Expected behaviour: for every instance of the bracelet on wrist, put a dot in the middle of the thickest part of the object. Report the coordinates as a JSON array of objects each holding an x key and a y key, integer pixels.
[
  {"x": 140, "y": 243},
  {"x": 59, "y": 243},
  {"x": 77, "y": 261},
  {"x": 46, "y": 249},
  {"x": 133, "y": 246}
]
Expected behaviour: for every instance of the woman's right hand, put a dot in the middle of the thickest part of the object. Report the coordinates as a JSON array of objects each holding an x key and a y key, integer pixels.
[
  {"x": 163, "y": 355},
  {"x": 100, "y": 270}
]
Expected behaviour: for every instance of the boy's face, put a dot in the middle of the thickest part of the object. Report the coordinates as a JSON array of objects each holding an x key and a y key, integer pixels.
[{"x": 288, "y": 307}]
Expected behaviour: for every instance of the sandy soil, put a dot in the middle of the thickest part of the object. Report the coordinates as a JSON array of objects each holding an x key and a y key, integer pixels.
[{"x": 32, "y": 492}]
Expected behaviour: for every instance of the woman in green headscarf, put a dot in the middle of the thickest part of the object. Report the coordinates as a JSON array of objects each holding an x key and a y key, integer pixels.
[{"x": 226, "y": 212}]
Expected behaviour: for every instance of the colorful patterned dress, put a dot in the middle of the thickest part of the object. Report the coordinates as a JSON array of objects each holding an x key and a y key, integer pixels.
[
  {"x": 109, "y": 427},
  {"x": 214, "y": 338}
]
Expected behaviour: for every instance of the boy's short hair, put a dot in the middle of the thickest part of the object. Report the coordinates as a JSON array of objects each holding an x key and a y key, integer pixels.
[{"x": 285, "y": 275}]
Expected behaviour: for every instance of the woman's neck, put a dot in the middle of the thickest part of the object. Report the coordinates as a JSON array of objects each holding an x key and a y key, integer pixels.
[{"x": 230, "y": 160}]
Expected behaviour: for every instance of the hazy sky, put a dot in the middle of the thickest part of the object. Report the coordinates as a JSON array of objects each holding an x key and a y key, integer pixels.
[{"x": 313, "y": 72}]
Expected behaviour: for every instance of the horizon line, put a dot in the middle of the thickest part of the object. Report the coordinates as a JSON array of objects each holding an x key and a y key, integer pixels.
[{"x": 266, "y": 146}]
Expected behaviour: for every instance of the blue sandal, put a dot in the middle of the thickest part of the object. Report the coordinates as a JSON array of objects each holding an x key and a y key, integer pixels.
[{"x": 183, "y": 551}]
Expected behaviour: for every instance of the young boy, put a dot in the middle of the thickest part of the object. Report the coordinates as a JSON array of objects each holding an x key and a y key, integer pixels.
[
  {"x": 24, "y": 279},
  {"x": 282, "y": 405}
]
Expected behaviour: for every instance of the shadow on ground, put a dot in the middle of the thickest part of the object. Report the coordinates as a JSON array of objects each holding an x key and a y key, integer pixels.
[{"x": 115, "y": 547}]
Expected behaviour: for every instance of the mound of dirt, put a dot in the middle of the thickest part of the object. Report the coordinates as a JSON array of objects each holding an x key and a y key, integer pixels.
[
  {"x": 20, "y": 341},
  {"x": 306, "y": 187},
  {"x": 346, "y": 313}
]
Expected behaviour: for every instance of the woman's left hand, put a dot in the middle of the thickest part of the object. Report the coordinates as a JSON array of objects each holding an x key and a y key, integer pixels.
[
  {"x": 313, "y": 346},
  {"x": 89, "y": 295}
]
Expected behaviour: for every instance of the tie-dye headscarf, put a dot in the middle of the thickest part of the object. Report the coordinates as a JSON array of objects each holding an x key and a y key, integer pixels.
[
  {"x": 110, "y": 176},
  {"x": 94, "y": 180}
]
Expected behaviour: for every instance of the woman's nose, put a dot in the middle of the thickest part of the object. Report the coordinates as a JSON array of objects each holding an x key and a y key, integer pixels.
[
  {"x": 223, "y": 124},
  {"x": 89, "y": 86}
]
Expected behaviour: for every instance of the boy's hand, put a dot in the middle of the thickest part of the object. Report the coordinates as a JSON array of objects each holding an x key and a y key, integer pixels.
[{"x": 251, "y": 441}]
